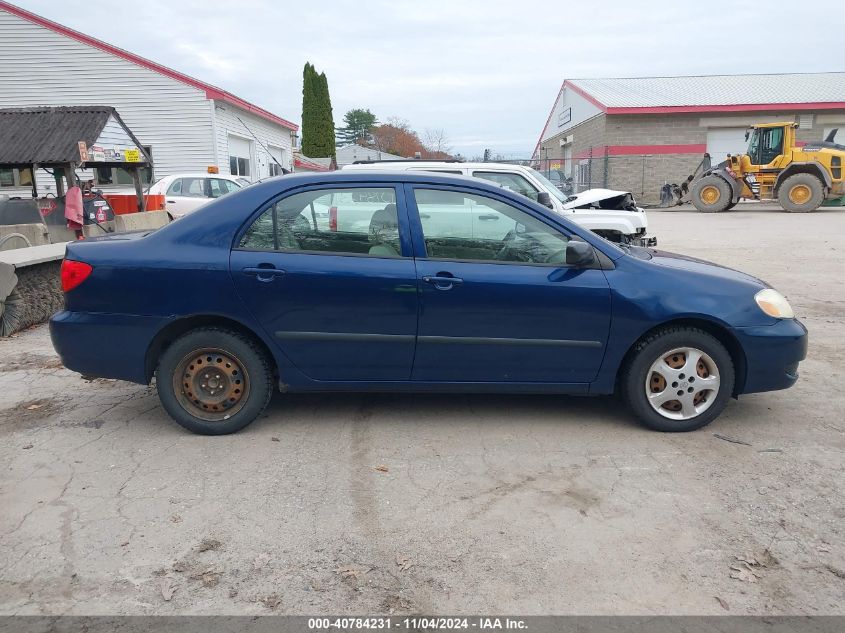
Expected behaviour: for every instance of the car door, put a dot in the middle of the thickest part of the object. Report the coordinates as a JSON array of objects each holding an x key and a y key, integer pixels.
[
  {"x": 341, "y": 304},
  {"x": 185, "y": 195},
  {"x": 504, "y": 307}
]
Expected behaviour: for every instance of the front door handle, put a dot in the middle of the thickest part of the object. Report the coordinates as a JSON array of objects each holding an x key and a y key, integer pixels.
[
  {"x": 264, "y": 272},
  {"x": 488, "y": 216},
  {"x": 442, "y": 281},
  {"x": 425, "y": 216}
]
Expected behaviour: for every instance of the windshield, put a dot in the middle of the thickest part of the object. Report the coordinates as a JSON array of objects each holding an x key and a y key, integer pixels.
[{"x": 550, "y": 186}]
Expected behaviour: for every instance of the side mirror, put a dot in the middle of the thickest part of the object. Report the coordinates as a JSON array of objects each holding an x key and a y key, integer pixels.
[
  {"x": 545, "y": 199},
  {"x": 579, "y": 254}
]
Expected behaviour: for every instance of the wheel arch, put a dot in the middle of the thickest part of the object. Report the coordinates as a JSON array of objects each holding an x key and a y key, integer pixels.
[
  {"x": 717, "y": 330},
  {"x": 173, "y": 330},
  {"x": 813, "y": 168}
]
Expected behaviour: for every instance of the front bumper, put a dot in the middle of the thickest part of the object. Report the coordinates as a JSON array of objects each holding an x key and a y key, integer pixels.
[
  {"x": 645, "y": 242},
  {"x": 104, "y": 345},
  {"x": 772, "y": 354}
]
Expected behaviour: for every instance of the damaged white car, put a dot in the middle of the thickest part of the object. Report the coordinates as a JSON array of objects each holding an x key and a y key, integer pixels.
[{"x": 611, "y": 214}]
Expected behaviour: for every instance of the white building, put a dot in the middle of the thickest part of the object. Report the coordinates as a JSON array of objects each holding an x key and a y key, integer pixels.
[
  {"x": 348, "y": 154},
  {"x": 187, "y": 125}
]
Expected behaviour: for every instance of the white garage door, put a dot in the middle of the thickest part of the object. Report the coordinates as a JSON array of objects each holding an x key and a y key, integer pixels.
[{"x": 724, "y": 141}]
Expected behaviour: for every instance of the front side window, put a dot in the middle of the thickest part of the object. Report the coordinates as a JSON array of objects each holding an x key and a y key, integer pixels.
[
  {"x": 220, "y": 187},
  {"x": 466, "y": 226},
  {"x": 514, "y": 182},
  {"x": 354, "y": 221},
  {"x": 772, "y": 145}
]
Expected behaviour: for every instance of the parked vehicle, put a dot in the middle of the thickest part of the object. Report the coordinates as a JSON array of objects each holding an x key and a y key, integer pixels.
[
  {"x": 185, "y": 193},
  {"x": 626, "y": 224},
  {"x": 776, "y": 167},
  {"x": 254, "y": 293}
]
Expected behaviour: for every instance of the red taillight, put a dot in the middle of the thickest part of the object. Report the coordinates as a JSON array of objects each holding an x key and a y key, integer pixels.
[
  {"x": 332, "y": 218},
  {"x": 74, "y": 273}
]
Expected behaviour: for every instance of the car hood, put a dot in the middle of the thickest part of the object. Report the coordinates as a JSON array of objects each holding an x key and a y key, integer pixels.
[
  {"x": 701, "y": 266},
  {"x": 595, "y": 196}
]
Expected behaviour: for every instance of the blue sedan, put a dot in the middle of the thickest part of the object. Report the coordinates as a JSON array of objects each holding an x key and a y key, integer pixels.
[{"x": 415, "y": 282}]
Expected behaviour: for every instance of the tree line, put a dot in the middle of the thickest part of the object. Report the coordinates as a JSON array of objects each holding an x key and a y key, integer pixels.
[{"x": 320, "y": 138}]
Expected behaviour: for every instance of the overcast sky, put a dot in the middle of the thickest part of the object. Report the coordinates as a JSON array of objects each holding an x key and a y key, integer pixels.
[{"x": 485, "y": 71}]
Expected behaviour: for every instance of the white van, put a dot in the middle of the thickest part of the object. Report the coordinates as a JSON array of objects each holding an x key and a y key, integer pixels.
[{"x": 612, "y": 214}]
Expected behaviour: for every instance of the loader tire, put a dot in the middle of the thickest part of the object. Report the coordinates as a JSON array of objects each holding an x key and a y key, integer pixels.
[
  {"x": 711, "y": 194},
  {"x": 801, "y": 193}
]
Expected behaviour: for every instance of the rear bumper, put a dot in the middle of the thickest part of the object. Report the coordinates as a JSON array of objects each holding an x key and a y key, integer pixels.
[
  {"x": 772, "y": 354},
  {"x": 104, "y": 345}
]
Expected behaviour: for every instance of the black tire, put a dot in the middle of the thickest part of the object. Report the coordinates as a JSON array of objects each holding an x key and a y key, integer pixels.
[
  {"x": 709, "y": 186},
  {"x": 658, "y": 345},
  {"x": 248, "y": 364},
  {"x": 811, "y": 189},
  {"x": 730, "y": 206}
]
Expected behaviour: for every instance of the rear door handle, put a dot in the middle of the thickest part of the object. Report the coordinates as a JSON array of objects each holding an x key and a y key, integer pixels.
[
  {"x": 442, "y": 282},
  {"x": 488, "y": 216},
  {"x": 425, "y": 216},
  {"x": 264, "y": 273}
]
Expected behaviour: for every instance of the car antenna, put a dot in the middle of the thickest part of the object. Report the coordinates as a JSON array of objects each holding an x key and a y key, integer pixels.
[{"x": 257, "y": 140}]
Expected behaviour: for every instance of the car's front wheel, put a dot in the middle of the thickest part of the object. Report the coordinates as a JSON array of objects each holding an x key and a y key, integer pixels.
[
  {"x": 678, "y": 379},
  {"x": 214, "y": 381}
]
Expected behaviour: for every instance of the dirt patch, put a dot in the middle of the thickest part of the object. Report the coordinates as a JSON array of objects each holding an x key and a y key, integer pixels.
[
  {"x": 28, "y": 361},
  {"x": 30, "y": 413}
]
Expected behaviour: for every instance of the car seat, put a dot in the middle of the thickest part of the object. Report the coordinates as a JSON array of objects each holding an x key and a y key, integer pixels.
[{"x": 384, "y": 233}]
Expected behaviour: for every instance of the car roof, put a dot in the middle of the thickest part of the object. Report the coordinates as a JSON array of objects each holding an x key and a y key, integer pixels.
[
  {"x": 200, "y": 174},
  {"x": 425, "y": 164}
]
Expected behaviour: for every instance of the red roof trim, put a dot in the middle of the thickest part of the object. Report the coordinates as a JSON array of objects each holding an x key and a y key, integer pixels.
[
  {"x": 749, "y": 107},
  {"x": 307, "y": 164},
  {"x": 586, "y": 95},
  {"x": 211, "y": 92}
]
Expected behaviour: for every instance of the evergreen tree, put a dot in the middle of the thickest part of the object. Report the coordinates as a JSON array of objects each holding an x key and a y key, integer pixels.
[
  {"x": 317, "y": 122},
  {"x": 358, "y": 124}
]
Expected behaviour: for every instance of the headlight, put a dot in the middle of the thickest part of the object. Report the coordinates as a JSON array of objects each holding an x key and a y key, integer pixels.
[{"x": 774, "y": 304}]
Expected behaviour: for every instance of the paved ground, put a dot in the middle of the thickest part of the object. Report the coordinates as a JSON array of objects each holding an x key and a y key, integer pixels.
[{"x": 434, "y": 504}]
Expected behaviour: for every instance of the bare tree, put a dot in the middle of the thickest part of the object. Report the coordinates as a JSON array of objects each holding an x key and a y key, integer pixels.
[{"x": 436, "y": 141}]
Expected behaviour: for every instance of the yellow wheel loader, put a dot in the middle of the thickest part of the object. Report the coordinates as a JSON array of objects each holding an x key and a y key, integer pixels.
[{"x": 775, "y": 168}]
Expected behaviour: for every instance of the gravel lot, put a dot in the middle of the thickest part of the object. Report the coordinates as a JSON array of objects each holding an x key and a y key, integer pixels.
[{"x": 441, "y": 504}]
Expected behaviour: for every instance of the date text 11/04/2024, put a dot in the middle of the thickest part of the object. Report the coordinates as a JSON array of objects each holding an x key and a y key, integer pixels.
[{"x": 418, "y": 623}]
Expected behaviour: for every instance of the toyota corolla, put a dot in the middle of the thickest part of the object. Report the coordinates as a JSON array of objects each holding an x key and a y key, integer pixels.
[{"x": 450, "y": 284}]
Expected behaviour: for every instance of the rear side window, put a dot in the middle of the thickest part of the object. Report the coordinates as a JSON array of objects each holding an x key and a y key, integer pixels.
[
  {"x": 514, "y": 182},
  {"x": 355, "y": 221}
]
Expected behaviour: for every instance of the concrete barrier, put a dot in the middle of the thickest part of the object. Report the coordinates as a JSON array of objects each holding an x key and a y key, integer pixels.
[
  {"x": 22, "y": 235},
  {"x": 148, "y": 220}
]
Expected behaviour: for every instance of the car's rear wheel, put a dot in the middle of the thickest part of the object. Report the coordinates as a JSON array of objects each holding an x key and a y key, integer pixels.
[
  {"x": 678, "y": 379},
  {"x": 214, "y": 381}
]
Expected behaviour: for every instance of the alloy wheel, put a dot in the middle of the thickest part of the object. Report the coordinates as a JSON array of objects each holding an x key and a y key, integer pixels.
[{"x": 682, "y": 383}]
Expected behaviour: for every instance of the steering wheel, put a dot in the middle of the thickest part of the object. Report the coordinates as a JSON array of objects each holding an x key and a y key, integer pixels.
[{"x": 510, "y": 253}]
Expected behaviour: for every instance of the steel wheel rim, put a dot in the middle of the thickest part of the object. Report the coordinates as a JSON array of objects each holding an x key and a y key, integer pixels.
[
  {"x": 799, "y": 194},
  {"x": 710, "y": 194},
  {"x": 211, "y": 384},
  {"x": 682, "y": 383}
]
